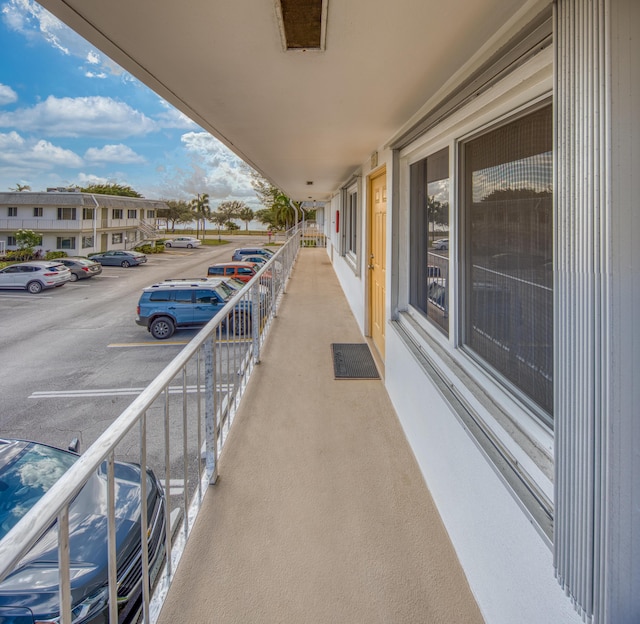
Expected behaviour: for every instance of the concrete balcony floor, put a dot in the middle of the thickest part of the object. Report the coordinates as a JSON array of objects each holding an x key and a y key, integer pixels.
[{"x": 320, "y": 514}]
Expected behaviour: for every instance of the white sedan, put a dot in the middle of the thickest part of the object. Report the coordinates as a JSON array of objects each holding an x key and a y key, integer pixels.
[{"x": 183, "y": 241}]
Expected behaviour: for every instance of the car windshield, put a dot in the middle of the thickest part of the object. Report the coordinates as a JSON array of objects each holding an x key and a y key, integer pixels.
[{"x": 26, "y": 478}]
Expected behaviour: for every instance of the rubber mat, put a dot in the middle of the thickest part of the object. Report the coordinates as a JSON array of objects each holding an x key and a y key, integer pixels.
[{"x": 353, "y": 361}]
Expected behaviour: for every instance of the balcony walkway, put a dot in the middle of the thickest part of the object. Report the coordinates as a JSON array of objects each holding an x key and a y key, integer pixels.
[{"x": 320, "y": 514}]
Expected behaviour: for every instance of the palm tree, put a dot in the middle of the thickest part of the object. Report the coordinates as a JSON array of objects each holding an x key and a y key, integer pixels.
[
  {"x": 200, "y": 207},
  {"x": 246, "y": 215},
  {"x": 20, "y": 188}
]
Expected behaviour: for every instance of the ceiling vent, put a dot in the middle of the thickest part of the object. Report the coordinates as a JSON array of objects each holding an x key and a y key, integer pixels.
[{"x": 302, "y": 24}]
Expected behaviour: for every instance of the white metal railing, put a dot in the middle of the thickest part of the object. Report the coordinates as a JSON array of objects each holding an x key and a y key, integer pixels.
[{"x": 178, "y": 424}]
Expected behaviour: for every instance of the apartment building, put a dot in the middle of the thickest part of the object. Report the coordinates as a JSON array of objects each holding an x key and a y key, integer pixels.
[{"x": 78, "y": 223}]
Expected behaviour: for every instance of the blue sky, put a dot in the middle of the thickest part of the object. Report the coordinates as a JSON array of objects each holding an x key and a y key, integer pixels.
[{"x": 69, "y": 115}]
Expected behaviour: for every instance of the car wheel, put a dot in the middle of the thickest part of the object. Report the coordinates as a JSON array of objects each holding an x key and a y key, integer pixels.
[
  {"x": 167, "y": 244},
  {"x": 73, "y": 277},
  {"x": 125, "y": 264},
  {"x": 34, "y": 287},
  {"x": 189, "y": 246},
  {"x": 162, "y": 328},
  {"x": 241, "y": 324}
]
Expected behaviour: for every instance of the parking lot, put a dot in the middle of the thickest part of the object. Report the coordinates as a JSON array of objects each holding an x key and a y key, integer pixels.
[{"x": 73, "y": 358}]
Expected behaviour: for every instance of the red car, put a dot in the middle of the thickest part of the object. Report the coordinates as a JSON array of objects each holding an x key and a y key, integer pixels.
[{"x": 241, "y": 270}]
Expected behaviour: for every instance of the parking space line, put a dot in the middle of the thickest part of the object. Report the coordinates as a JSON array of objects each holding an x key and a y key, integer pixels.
[
  {"x": 162, "y": 343},
  {"x": 122, "y": 345},
  {"x": 104, "y": 392}
]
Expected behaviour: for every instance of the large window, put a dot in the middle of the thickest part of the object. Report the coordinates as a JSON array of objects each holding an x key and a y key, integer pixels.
[
  {"x": 507, "y": 268},
  {"x": 87, "y": 213},
  {"x": 429, "y": 268},
  {"x": 12, "y": 211},
  {"x": 350, "y": 243},
  {"x": 66, "y": 242},
  {"x": 132, "y": 214},
  {"x": 66, "y": 214},
  {"x": 117, "y": 213},
  {"x": 37, "y": 211}
]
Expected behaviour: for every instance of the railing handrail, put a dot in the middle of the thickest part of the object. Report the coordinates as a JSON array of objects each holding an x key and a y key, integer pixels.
[{"x": 26, "y": 532}]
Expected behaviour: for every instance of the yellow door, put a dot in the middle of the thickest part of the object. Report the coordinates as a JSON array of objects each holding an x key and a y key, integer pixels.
[{"x": 377, "y": 258}]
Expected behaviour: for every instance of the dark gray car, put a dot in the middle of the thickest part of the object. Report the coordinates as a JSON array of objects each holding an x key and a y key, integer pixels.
[{"x": 30, "y": 593}]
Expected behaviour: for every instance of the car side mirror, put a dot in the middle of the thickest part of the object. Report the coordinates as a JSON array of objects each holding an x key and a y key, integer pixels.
[{"x": 74, "y": 445}]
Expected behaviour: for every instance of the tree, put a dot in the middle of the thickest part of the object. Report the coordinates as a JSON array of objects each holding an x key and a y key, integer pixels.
[
  {"x": 246, "y": 215},
  {"x": 178, "y": 212},
  {"x": 219, "y": 219},
  {"x": 231, "y": 209},
  {"x": 20, "y": 188},
  {"x": 111, "y": 189},
  {"x": 437, "y": 213},
  {"x": 279, "y": 213},
  {"x": 26, "y": 240},
  {"x": 200, "y": 206},
  {"x": 268, "y": 218}
]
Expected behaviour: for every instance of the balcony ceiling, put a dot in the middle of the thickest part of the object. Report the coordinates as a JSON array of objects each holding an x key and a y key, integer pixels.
[{"x": 296, "y": 115}]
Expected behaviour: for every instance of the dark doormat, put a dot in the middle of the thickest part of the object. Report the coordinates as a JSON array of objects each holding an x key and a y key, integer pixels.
[{"x": 353, "y": 361}]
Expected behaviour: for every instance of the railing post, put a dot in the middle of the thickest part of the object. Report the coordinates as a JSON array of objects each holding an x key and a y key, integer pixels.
[
  {"x": 256, "y": 318},
  {"x": 211, "y": 434}
]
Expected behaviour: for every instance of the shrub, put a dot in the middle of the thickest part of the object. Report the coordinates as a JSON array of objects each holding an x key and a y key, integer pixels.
[
  {"x": 150, "y": 249},
  {"x": 52, "y": 255}
]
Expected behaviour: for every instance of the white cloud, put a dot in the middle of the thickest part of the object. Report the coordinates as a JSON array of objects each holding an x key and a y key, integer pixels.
[
  {"x": 95, "y": 116},
  {"x": 36, "y": 24},
  {"x": 173, "y": 118},
  {"x": 113, "y": 154},
  {"x": 101, "y": 75},
  {"x": 17, "y": 153},
  {"x": 7, "y": 95},
  {"x": 87, "y": 179},
  {"x": 212, "y": 168}
]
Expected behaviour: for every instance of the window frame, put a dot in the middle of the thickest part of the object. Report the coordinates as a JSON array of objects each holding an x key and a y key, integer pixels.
[
  {"x": 12, "y": 211},
  {"x": 351, "y": 216},
  {"x": 117, "y": 213},
  {"x": 518, "y": 443},
  {"x": 37, "y": 211},
  {"x": 61, "y": 240},
  {"x": 66, "y": 210}
]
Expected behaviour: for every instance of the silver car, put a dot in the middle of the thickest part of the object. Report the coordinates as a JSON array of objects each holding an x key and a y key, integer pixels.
[
  {"x": 183, "y": 241},
  {"x": 34, "y": 276}
]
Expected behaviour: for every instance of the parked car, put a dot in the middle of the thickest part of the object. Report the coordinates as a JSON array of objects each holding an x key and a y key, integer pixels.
[
  {"x": 30, "y": 593},
  {"x": 183, "y": 241},
  {"x": 167, "y": 306},
  {"x": 34, "y": 276},
  {"x": 242, "y": 270},
  {"x": 441, "y": 243},
  {"x": 81, "y": 268},
  {"x": 238, "y": 254},
  {"x": 121, "y": 258}
]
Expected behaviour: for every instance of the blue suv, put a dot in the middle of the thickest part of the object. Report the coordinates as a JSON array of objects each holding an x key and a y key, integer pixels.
[
  {"x": 240, "y": 253},
  {"x": 165, "y": 307}
]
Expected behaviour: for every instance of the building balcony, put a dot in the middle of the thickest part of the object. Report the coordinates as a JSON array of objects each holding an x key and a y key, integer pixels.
[
  {"x": 13, "y": 224},
  {"x": 298, "y": 497}
]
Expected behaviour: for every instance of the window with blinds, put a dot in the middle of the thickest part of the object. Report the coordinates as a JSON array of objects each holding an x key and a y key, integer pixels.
[{"x": 507, "y": 267}]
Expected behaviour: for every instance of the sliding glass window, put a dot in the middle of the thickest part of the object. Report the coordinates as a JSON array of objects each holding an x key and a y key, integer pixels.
[
  {"x": 507, "y": 253},
  {"x": 429, "y": 235}
]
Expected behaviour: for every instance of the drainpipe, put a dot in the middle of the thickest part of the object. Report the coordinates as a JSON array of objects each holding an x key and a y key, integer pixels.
[{"x": 95, "y": 224}]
